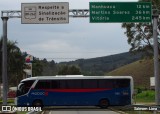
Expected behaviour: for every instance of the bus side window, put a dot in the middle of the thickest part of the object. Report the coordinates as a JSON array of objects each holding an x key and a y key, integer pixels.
[
  {"x": 90, "y": 84},
  {"x": 105, "y": 83},
  {"x": 54, "y": 84},
  {"x": 69, "y": 84},
  {"x": 43, "y": 84},
  {"x": 122, "y": 83},
  {"x": 28, "y": 84},
  {"x": 62, "y": 84},
  {"x": 73, "y": 84}
]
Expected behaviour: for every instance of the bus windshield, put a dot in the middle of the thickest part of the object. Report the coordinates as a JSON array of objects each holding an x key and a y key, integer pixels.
[{"x": 24, "y": 87}]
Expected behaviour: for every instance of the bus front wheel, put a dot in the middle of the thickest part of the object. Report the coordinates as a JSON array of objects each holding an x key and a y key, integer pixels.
[
  {"x": 104, "y": 103},
  {"x": 37, "y": 103}
]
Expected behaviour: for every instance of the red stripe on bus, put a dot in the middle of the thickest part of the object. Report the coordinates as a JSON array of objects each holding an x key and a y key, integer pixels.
[{"x": 76, "y": 90}]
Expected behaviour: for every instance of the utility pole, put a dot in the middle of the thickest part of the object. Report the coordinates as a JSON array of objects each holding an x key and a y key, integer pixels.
[
  {"x": 4, "y": 60},
  {"x": 156, "y": 62}
]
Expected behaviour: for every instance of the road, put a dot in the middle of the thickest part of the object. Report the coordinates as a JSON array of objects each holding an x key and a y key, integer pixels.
[{"x": 79, "y": 111}]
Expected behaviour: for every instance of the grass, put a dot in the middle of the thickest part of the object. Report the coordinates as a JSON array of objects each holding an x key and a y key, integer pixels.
[
  {"x": 10, "y": 101},
  {"x": 145, "y": 96},
  {"x": 21, "y": 112},
  {"x": 141, "y": 71}
]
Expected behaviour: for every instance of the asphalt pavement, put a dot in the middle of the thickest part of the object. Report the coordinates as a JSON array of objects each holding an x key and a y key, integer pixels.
[{"x": 79, "y": 110}]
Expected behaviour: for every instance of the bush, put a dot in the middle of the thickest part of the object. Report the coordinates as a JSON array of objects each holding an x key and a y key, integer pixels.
[
  {"x": 146, "y": 96},
  {"x": 139, "y": 90}
]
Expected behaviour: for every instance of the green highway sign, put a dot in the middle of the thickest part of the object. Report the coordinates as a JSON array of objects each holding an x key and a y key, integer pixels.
[{"x": 114, "y": 12}]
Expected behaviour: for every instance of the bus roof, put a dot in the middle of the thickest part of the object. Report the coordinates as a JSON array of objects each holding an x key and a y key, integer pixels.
[{"x": 76, "y": 77}]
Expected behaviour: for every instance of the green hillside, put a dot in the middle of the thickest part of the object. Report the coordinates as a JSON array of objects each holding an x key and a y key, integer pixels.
[
  {"x": 102, "y": 65},
  {"x": 141, "y": 71}
]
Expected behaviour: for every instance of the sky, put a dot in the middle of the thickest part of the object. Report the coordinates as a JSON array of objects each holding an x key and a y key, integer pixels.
[{"x": 66, "y": 42}]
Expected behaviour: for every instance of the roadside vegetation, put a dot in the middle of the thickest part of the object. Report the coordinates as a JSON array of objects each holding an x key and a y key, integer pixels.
[
  {"x": 9, "y": 101},
  {"x": 145, "y": 96}
]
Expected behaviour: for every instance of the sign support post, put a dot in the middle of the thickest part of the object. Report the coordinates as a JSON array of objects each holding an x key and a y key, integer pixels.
[
  {"x": 156, "y": 62},
  {"x": 4, "y": 60}
]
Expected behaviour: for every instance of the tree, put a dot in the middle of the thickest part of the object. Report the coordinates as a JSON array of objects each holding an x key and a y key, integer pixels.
[
  {"x": 69, "y": 70},
  {"x": 15, "y": 62},
  {"x": 37, "y": 67},
  {"x": 140, "y": 35}
]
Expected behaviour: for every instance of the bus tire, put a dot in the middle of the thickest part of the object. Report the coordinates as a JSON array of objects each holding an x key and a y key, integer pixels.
[
  {"x": 104, "y": 103},
  {"x": 37, "y": 103}
]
